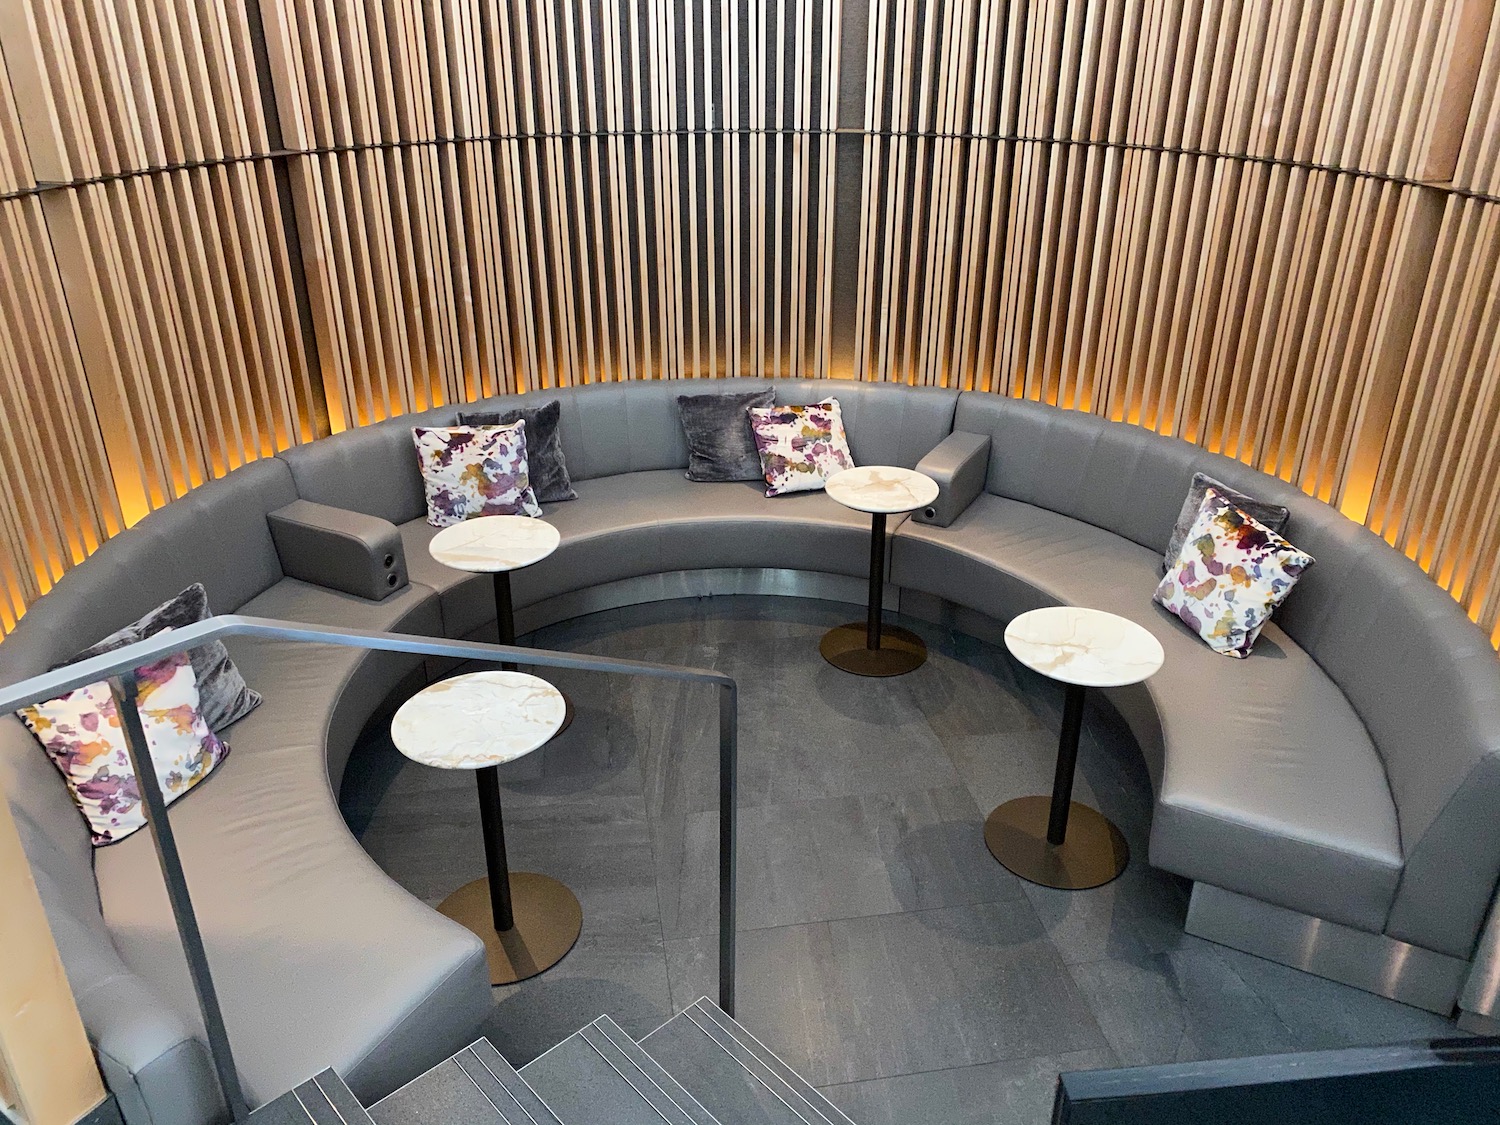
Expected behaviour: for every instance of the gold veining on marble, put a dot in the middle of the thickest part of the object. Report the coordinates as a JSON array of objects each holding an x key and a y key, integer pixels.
[
  {"x": 1090, "y": 647},
  {"x": 478, "y": 719},
  {"x": 487, "y": 544},
  {"x": 882, "y": 488}
]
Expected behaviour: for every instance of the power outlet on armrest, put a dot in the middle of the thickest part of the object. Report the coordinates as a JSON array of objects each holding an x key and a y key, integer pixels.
[{"x": 342, "y": 550}]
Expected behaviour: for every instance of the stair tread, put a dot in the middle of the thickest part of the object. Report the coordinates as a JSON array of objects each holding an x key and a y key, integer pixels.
[
  {"x": 600, "y": 1076},
  {"x": 735, "y": 1076},
  {"x": 321, "y": 1100},
  {"x": 501, "y": 1081},
  {"x": 476, "y": 1086}
]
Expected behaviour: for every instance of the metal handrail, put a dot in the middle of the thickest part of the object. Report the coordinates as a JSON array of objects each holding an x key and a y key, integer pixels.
[{"x": 118, "y": 669}]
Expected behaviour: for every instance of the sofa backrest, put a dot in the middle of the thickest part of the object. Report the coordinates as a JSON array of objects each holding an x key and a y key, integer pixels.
[
  {"x": 217, "y": 535},
  {"x": 370, "y": 469},
  {"x": 612, "y": 428},
  {"x": 1421, "y": 676},
  {"x": 888, "y": 423}
]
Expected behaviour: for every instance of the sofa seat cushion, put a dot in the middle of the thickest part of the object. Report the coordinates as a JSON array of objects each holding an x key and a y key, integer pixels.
[
  {"x": 326, "y": 692},
  {"x": 318, "y": 957},
  {"x": 1247, "y": 752},
  {"x": 655, "y": 522}
]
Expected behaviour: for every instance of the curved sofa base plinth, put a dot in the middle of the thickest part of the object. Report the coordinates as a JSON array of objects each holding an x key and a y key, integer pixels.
[
  {"x": 1373, "y": 962},
  {"x": 672, "y": 585},
  {"x": 1476, "y": 1024}
]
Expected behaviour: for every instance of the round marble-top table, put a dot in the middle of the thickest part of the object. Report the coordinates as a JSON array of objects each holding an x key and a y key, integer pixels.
[
  {"x": 869, "y": 648},
  {"x": 478, "y": 722},
  {"x": 1053, "y": 840},
  {"x": 497, "y": 545}
]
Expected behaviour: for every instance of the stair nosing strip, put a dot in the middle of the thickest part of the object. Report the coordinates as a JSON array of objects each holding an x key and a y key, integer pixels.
[
  {"x": 610, "y": 1063},
  {"x": 710, "y": 1010},
  {"x": 508, "y": 1086},
  {"x": 302, "y": 1105},
  {"x": 483, "y": 1093},
  {"x": 318, "y": 1086},
  {"x": 756, "y": 1076},
  {"x": 505, "y": 1089},
  {"x": 734, "y": 1029},
  {"x": 687, "y": 1118}
]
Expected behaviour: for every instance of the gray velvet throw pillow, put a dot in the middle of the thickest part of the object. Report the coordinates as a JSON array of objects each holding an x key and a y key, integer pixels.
[
  {"x": 1273, "y": 516},
  {"x": 545, "y": 463},
  {"x": 223, "y": 695},
  {"x": 721, "y": 445}
]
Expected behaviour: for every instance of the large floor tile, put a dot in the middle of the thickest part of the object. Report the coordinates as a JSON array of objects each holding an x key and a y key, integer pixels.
[
  {"x": 1139, "y": 914},
  {"x": 809, "y": 730},
  {"x": 886, "y": 953},
  {"x": 843, "y": 857},
  {"x": 1014, "y": 1092},
  {"x": 432, "y": 844},
  {"x": 874, "y": 997},
  {"x": 1180, "y": 1006}
]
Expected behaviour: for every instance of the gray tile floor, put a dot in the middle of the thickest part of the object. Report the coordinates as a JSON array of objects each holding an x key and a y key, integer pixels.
[{"x": 883, "y": 953}]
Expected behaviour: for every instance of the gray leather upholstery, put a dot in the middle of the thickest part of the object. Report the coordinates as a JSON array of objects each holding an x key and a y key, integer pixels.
[
  {"x": 270, "y": 926},
  {"x": 1244, "y": 753},
  {"x": 959, "y": 464},
  {"x": 342, "y": 550},
  {"x": 274, "y": 874},
  {"x": 887, "y": 423},
  {"x": 371, "y": 469},
  {"x": 1349, "y": 769},
  {"x": 1420, "y": 676},
  {"x": 650, "y": 523},
  {"x": 216, "y": 535}
]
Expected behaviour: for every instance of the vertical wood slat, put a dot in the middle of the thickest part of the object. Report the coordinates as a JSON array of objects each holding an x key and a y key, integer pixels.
[{"x": 1324, "y": 327}]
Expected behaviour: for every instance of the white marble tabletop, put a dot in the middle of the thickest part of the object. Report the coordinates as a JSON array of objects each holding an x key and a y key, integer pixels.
[
  {"x": 487, "y": 544},
  {"x": 479, "y": 719},
  {"x": 1084, "y": 646},
  {"x": 882, "y": 488}
]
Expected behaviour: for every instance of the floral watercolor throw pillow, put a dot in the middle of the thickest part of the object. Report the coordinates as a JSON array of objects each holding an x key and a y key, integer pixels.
[
  {"x": 471, "y": 471},
  {"x": 800, "y": 446},
  {"x": 1231, "y": 573},
  {"x": 82, "y": 735}
]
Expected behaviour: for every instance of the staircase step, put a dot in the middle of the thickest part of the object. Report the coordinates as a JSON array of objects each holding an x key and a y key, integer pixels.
[
  {"x": 734, "y": 1075},
  {"x": 600, "y": 1076},
  {"x": 474, "y": 1087},
  {"x": 322, "y": 1100}
]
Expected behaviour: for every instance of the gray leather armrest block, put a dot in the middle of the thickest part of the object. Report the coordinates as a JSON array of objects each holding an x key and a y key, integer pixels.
[
  {"x": 339, "y": 549},
  {"x": 959, "y": 464}
]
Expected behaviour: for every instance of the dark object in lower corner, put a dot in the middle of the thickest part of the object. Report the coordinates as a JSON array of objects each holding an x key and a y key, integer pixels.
[{"x": 1453, "y": 1081}]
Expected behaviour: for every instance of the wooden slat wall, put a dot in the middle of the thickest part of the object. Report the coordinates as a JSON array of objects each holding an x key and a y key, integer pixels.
[{"x": 1266, "y": 227}]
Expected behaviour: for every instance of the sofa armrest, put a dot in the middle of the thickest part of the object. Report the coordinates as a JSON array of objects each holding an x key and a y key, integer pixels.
[
  {"x": 342, "y": 550},
  {"x": 960, "y": 463}
]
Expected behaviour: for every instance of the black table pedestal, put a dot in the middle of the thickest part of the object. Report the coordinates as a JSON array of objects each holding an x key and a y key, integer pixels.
[
  {"x": 1054, "y": 841},
  {"x": 872, "y": 648},
  {"x": 505, "y": 620},
  {"x": 527, "y": 922}
]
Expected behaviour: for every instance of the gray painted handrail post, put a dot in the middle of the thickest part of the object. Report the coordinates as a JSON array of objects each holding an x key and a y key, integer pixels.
[
  {"x": 728, "y": 816},
  {"x": 124, "y": 689},
  {"x": 118, "y": 668}
]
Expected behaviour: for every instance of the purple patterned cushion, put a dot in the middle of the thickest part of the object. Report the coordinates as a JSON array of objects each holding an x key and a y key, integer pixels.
[
  {"x": 1232, "y": 572},
  {"x": 800, "y": 446},
  {"x": 82, "y": 735},
  {"x": 473, "y": 471},
  {"x": 224, "y": 696}
]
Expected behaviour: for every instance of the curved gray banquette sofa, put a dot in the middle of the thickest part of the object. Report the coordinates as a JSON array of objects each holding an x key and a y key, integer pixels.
[{"x": 1333, "y": 797}]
